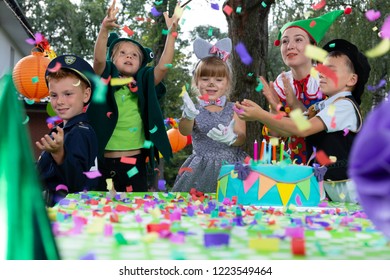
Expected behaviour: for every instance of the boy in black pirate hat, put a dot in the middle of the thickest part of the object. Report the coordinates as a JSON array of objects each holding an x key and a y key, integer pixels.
[
  {"x": 337, "y": 119},
  {"x": 70, "y": 149},
  {"x": 130, "y": 115}
]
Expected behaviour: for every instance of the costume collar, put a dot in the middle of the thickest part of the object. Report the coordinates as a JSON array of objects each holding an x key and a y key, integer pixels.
[{"x": 221, "y": 101}]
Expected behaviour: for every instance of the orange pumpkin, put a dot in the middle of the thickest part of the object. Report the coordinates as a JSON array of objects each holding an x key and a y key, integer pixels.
[
  {"x": 29, "y": 76},
  {"x": 177, "y": 140}
]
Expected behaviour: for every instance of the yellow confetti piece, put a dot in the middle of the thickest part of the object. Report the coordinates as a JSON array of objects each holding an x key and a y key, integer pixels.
[
  {"x": 264, "y": 244},
  {"x": 155, "y": 213},
  {"x": 103, "y": 201},
  {"x": 233, "y": 174},
  {"x": 314, "y": 73},
  {"x": 299, "y": 119},
  {"x": 342, "y": 196},
  {"x": 331, "y": 110},
  {"x": 315, "y": 53},
  {"x": 306, "y": 15},
  {"x": 382, "y": 48},
  {"x": 274, "y": 141},
  {"x": 374, "y": 28},
  {"x": 77, "y": 84},
  {"x": 183, "y": 90},
  {"x": 121, "y": 81},
  {"x": 109, "y": 184},
  {"x": 150, "y": 237},
  {"x": 96, "y": 226},
  {"x": 333, "y": 159}
]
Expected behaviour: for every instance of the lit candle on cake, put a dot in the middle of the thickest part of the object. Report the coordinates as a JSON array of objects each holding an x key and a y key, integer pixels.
[
  {"x": 273, "y": 153},
  {"x": 255, "y": 151}
]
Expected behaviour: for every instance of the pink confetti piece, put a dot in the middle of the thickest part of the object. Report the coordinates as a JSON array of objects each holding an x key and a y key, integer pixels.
[
  {"x": 238, "y": 111},
  {"x": 319, "y": 5},
  {"x": 138, "y": 218},
  {"x": 106, "y": 81},
  {"x": 109, "y": 114},
  {"x": 62, "y": 187},
  {"x": 92, "y": 174},
  {"x": 55, "y": 68},
  {"x": 326, "y": 71},
  {"x": 128, "y": 31},
  {"x": 298, "y": 200},
  {"x": 108, "y": 230},
  {"x": 228, "y": 10},
  {"x": 129, "y": 188},
  {"x": 385, "y": 30},
  {"x": 243, "y": 54},
  {"x": 372, "y": 15},
  {"x": 30, "y": 41},
  {"x": 313, "y": 23},
  {"x": 346, "y": 131},
  {"x": 129, "y": 160}
]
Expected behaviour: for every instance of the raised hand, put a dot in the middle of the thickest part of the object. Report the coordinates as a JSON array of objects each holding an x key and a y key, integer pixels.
[
  {"x": 271, "y": 95},
  {"x": 223, "y": 134},
  {"x": 173, "y": 22},
  {"x": 109, "y": 22},
  {"x": 189, "y": 110}
]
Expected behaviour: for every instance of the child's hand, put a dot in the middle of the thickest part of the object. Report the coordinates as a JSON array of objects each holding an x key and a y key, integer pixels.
[
  {"x": 173, "y": 22},
  {"x": 223, "y": 134},
  {"x": 291, "y": 98},
  {"x": 189, "y": 110},
  {"x": 249, "y": 110},
  {"x": 270, "y": 93},
  {"x": 109, "y": 22},
  {"x": 52, "y": 145}
]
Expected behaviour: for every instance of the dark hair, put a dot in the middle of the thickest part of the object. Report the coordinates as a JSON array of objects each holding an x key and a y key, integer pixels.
[{"x": 348, "y": 62}]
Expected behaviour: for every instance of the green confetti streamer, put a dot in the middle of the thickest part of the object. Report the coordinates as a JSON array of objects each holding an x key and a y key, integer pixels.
[
  {"x": 165, "y": 32},
  {"x": 210, "y": 32},
  {"x": 35, "y": 79},
  {"x": 238, "y": 10},
  {"x": 168, "y": 65},
  {"x": 263, "y": 4},
  {"x": 153, "y": 130},
  {"x": 120, "y": 239},
  {"x": 259, "y": 87},
  {"x": 132, "y": 172}
]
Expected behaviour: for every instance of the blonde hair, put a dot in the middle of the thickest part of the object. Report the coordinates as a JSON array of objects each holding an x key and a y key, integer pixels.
[
  {"x": 212, "y": 67},
  {"x": 115, "y": 50}
]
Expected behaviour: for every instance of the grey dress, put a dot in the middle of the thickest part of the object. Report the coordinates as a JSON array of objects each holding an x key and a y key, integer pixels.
[{"x": 207, "y": 155}]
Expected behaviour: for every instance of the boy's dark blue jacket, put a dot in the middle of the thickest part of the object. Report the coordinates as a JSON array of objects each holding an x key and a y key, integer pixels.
[{"x": 81, "y": 148}]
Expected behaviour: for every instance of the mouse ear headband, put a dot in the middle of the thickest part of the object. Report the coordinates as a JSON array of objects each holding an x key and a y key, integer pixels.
[{"x": 221, "y": 49}]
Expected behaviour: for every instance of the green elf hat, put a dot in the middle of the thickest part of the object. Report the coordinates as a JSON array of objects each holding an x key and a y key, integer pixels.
[{"x": 314, "y": 27}]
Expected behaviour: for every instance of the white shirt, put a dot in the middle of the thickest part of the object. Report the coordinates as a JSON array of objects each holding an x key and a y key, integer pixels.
[{"x": 344, "y": 114}]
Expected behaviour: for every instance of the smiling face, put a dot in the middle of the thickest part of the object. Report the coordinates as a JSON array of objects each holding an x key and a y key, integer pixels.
[
  {"x": 127, "y": 58},
  {"x": 342, "y": 67},
  {"x": 68, "y": 95},
  {"x": 212, "y": 77},
  {"x": 293, "y": 44}
]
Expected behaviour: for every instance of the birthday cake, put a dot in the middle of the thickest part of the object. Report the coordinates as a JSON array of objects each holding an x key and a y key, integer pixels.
[{"x": 269, "y": 185}]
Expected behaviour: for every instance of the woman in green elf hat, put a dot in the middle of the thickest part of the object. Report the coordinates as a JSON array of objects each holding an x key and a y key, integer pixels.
[
  {"x": 297, "y": 88},
  {"x": 129, "y": 123}
]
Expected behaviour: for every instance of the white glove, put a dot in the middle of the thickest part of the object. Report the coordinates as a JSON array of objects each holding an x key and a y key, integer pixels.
[
  {"x": 189, "y": 110},
  {"x": 223, "y": 134}
]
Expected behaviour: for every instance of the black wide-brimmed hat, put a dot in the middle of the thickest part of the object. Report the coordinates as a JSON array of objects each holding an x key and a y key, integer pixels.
[{"x": 359, "y": 61}]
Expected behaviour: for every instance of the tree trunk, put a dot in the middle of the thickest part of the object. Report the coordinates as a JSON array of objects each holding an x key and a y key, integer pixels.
[{"x": 249, "y": 27}]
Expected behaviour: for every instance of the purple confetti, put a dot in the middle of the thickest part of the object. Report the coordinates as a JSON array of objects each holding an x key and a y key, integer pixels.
[
  {"x": 373, "y": 15},
  {"x": 215, "y": 6},
  {"x": 30, "y": 41},
  {"x": 298, "y": 200},
  {"x": 238, "y": 111},
  {"x": 243, "y": 53},
  {"x": 216, "y": 239},
  {"x": 161, "y": 185},
  {"x": 155, "y": 12}
]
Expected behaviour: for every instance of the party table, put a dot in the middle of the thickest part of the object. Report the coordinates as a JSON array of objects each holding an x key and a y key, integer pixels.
[{"x": 172, "y": 226}]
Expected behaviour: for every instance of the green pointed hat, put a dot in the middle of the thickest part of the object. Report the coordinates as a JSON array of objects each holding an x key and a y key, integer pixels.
[
  {"x": 25, "y": 230},
  {"x": 314, "y": 27}
]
